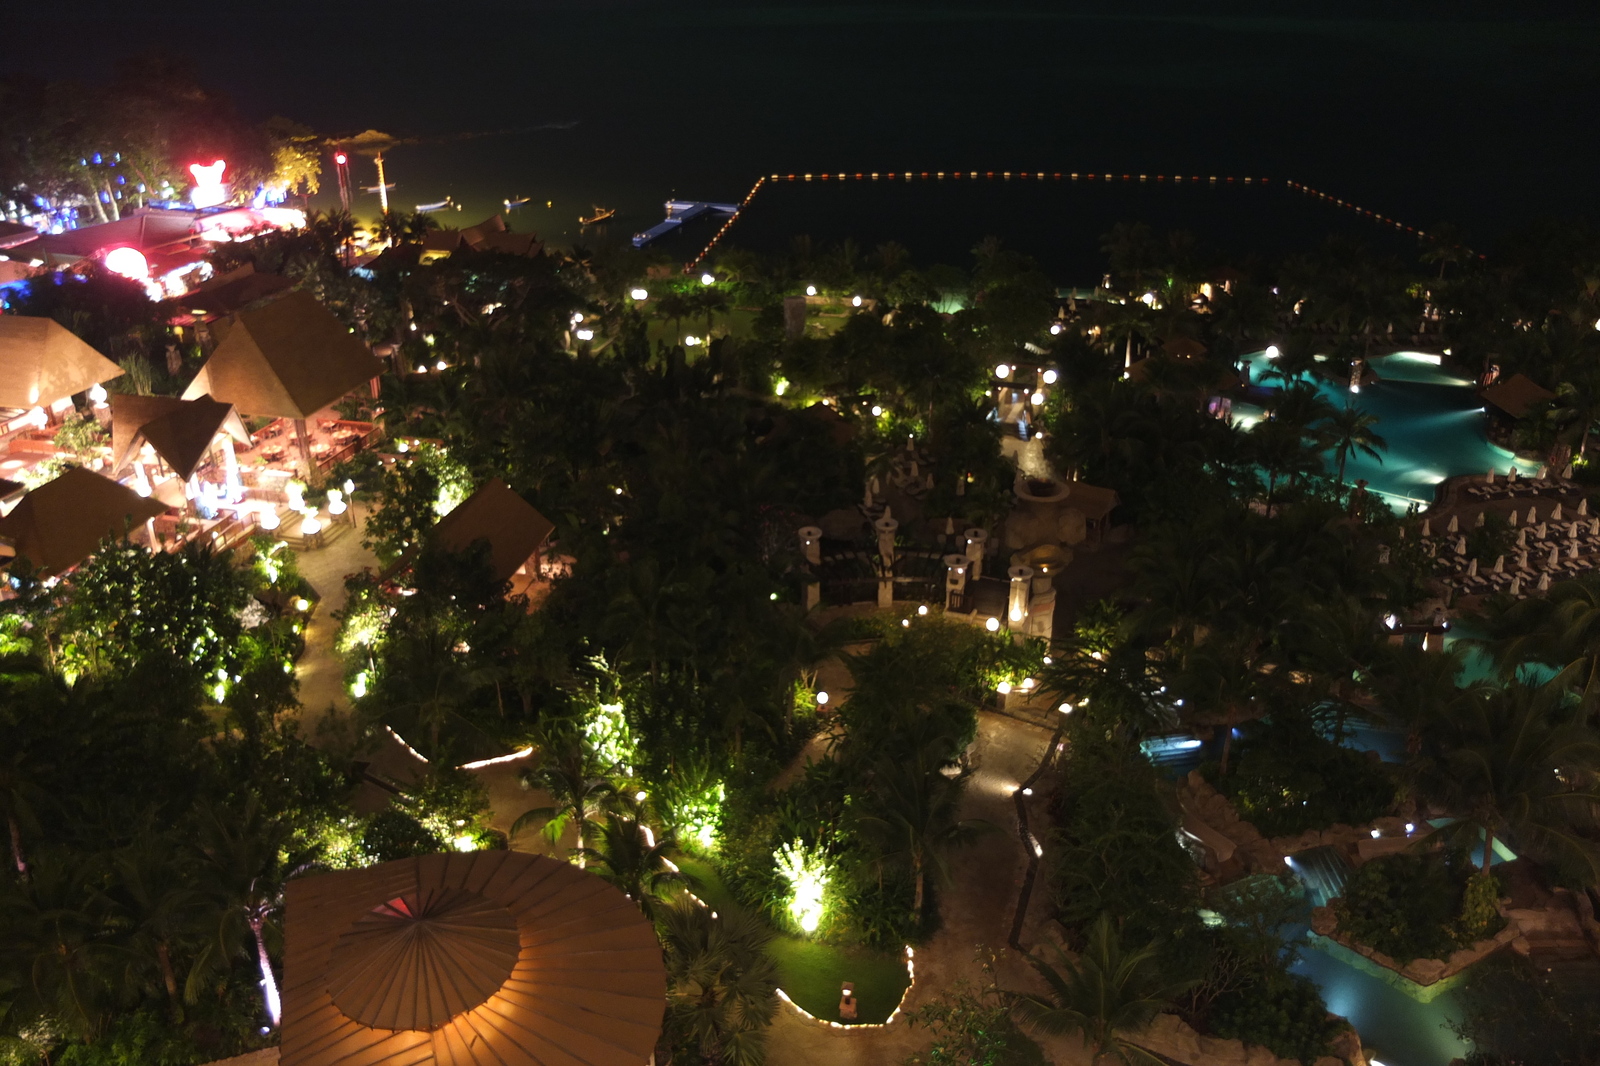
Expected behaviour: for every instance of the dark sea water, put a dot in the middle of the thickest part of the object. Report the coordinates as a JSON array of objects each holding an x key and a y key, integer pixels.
[{"x": 1470, "y": 112}]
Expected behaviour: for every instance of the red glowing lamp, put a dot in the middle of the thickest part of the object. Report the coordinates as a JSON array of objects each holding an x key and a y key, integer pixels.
[{"x": 340, "y": 158}]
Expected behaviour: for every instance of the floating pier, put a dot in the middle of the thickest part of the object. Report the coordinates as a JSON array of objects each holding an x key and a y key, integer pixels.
[{"x": 679, "y": 212}]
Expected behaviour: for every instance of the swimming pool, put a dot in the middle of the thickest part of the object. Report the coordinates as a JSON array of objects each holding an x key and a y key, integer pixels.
[{"x": 1431, "y": 417}]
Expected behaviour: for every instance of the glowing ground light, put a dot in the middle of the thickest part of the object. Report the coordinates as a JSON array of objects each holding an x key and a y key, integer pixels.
[
  {"x": 585, "y": 334},
  {"x": 640, "y": 294},
  {"x": 1055, "y": 329},
  {"x": 1002, "y": 371},
  {"x": 811, "y": 290},
  {"x": 922, "y": 609},
  {"x": 1050, "y": 377},
  {"x": 302, "y": 604},
  {"x": 992, "y": 625},
  {"x": 440, "y": 365},
  {"x": 128, "y": 263},
  {"x": 465, "y": 843},
  {"x": 358, "y": 687},
  {"x": 708, "y": 279},
  {"x": 1004, "y": 688},
  {"x": 1272, "y": 351},
  {"x": 822, "y": 699},
  {"x": 855, "y": 301},
  {"x": 1037, "y": 399},
  {"x": 877, "y": 412},
  {"x": 1065, "y": 708}
]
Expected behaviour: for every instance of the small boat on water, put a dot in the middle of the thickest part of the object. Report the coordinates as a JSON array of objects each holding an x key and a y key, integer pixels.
[
  {"x": 513, "y": 204},
  {"x": 601, "y": 214},
  {"x": 442, "y": 205}
]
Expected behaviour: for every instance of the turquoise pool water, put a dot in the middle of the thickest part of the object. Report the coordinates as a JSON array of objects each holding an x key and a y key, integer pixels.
[
  {"x": 1431, "y": 418},
  {"x": 1395, "y": 1029}
]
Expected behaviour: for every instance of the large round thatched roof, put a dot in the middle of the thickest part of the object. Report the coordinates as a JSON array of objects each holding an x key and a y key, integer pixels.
[{"x": 483, "y": 959}]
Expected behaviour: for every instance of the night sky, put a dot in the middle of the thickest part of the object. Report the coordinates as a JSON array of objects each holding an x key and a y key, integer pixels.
[{"x": 1477, "y": 114}]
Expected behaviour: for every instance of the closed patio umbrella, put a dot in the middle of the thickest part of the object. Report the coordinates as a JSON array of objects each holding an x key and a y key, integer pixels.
[
  {"x": 1555, "y": 513},
  {"x": 1500, "y": 564},
  {"x": 1544, "y": 583},
  {"x": 1454, "y": 526}
]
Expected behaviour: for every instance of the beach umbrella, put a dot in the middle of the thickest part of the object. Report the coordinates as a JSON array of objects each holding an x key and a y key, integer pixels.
[
  {"x": 1533, "y": 515},
  {"x": 1516, "y": 585},
  {"x": 949, "y": 527},
  {"x": 1454, "y": 526},
  {"x": 1489, "y": 478},
  {"x": 1522, "y": 559},
  {"x": 1544, "y": 583},
  {"x": 1499, "y": 564},
  {"x": 1594, "y": 528},
  {"x": 1522, "y": 538},
  {"x": 1566, "y": 472},
  {"x": 1543, "y": 472},
  {"x": 1572, "y": 550},
  {"x": 1472, "y": 568},
  {"x": 873, "y": 484},
  {"x": 1554, "y": 559},
  {"x": 1513, "y": 518},
  {"x": 1511, "y": 475},
  {"x": 1481, "y": 519},
  {"x": 1583, "y": 506},
  {"x": 1544, "y": 530},
  {"x": 1555, "y": 513},
  {"x": 1461, "y": 545},
  {"x": 1572, "y": 531},
  {"x": 1427, "y": 528}
]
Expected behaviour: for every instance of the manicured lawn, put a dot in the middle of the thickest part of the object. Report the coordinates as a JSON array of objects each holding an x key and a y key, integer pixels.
[{"x": 812, "y": 973}]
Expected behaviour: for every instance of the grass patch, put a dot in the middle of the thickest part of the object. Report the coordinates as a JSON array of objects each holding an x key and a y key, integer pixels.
[{"x": 812, "y": 973}]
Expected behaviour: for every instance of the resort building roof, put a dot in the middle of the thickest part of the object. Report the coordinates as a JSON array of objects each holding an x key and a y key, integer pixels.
[
  {"x": 480, "y": 959},
  {"x": 1515, "y": 395},
  {"x": 229, "y": 293},
  {"x": 42, "y": 362},
  {"x": 288, "y": 359},
  {"x": 180, "y": 431},
  {"x": 514, "y": 529},
  {"x": 61, "y": 523}
]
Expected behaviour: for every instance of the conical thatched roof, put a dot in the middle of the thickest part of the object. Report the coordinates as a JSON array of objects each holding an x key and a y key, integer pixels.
[
  {"x": 61, "y": 523},
  {"x": 180, "y": 431},
  {"x": 288, "y": 359},
  {"x": 41, "y": 361},
  {"x": 490, "y": 958}
]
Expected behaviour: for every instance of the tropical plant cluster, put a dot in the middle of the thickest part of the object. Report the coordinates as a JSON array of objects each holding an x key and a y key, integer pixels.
[{"x": 1419, "y": 906}]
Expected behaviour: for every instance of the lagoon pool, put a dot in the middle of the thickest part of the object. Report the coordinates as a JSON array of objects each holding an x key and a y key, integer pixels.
[{"x": 1431, "y": 417}]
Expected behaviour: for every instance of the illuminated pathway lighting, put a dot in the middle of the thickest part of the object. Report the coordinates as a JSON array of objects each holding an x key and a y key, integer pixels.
[
  {"x": 811, "y": 290},
  {"x": 640, "y": 294},
  {"x": 822, "y": 699},
  {"x": 1002, "y": 371},
  {"x": 707, "y": 279}
]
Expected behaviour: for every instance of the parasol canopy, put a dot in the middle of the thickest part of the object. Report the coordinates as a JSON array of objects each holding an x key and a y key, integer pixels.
[{"x": 488, "y": 958}]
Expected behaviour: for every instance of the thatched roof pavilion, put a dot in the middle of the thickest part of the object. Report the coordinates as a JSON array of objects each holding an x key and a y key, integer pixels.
[
  {"x": 489, "y": 958},
  {"x": 42, "y": 362},
  {"x": 60, "y": 524}
]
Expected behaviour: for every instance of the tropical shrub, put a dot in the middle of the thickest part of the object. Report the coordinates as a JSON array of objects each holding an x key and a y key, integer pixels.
[
  {"x": 1281, "y": 1011},
  {"x": 1287, "y": 778},
  {"x": 1417, "y": 906},
  {"x": 397, "y": 834}
]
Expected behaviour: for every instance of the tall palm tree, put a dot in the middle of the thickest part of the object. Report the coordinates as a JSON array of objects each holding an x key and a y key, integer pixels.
[
  {"x": 721, "y": 983},
  {"x": 58, "y": 957},
  {"x": 1561, "y": 629},
  {"x": 632, "y": 860},
  {"x": 1516, "y": 763},
  {"x": 1106, "y": 995},
  {"x": 568, "y": 772},
  {"x": 246, "y": 869},
  {"x": 912, "y": 818},
  {"x": 1350, "y": 430}
]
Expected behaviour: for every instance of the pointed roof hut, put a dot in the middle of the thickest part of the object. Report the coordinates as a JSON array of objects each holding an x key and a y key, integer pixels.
[
  {"x": 60, "y": 524},
  {"x": 491, "y": 958},
  {"x": 180, "y": 431},
  {"x": 514, "y": 529},
  {"x": 288, "y": 359},
  {"x": 41, "y": 362}
]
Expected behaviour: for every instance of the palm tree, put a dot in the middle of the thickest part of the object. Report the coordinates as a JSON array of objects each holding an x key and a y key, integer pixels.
[
  {"x": 1105, "y": 993},
  {"x": 1350, "y": 430},
  {"x": 1577, "y": 403},
  {"x": 568, "y": 773},
  {"x": 57, "y": 955},
  {"x": 157, "y": 893},
  {"x": 633, "y": 860},
  {"x": 1516, "y": 763},
  {"x": 1221, "y": 684},
  {"x": 721, "y": 983},
  {"x": 912, "y": 818},
  {"x": 1561, "y": 629},
  {"x": 246, "y": 869}
]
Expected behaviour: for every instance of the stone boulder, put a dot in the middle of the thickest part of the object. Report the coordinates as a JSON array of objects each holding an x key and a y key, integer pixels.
[{"x": 1071, "y": 527}]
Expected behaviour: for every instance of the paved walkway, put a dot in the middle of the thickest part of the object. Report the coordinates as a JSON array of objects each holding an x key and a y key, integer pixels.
[{"x": 976, "y": 909}]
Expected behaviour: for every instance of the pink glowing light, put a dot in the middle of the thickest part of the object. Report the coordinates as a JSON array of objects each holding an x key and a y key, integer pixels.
[
  {"x": 209, "y": 190},
  {"x": 129, "y": 262}
]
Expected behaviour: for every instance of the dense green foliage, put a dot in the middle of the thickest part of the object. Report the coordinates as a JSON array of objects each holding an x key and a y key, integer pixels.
[
  {"x": 1288, "y": 779},
  {"x": 1414, "y": 906},
  {"x": 1512, "y": 1014}
]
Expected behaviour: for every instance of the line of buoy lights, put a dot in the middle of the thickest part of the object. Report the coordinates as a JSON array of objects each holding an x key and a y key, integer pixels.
[{"x": 1041, "y": 175}]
